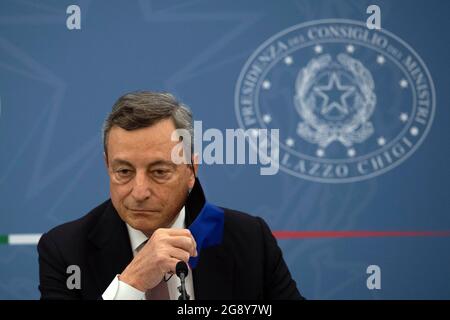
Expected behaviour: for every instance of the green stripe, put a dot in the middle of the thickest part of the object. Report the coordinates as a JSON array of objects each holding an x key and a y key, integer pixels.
[{"x": 3, "y": 239}]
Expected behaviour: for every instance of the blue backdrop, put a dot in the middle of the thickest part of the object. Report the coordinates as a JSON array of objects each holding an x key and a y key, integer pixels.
[{"x": 57, "y": 85}]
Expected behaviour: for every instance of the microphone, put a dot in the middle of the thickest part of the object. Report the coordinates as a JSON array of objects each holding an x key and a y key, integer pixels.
[{"x": 182, "y": 272}]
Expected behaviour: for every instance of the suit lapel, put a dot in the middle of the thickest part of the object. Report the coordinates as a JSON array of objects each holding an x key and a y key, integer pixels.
[
  {"x": 194, "y": 203},
  {"x": 111, "y": 251}
]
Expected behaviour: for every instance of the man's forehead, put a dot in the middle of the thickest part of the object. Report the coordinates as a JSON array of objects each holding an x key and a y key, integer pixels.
[
  {"x": 139, "y": 153},
  {"x": 157, "y": 134},
  {"x": 154, "y": 137},
  {"x": 144, "y": 145}
]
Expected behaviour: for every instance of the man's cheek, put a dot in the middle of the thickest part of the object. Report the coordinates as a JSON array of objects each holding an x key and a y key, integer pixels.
[{"x": 119, "y": 195}]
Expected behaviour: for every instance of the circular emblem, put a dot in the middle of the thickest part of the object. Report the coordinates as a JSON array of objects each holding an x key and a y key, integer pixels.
[{"x": 350, "y": 103}]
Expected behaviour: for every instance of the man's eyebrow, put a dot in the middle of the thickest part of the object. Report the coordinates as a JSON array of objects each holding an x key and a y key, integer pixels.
[
  {"x": 151, "y": 164},
  {"x": 121, "y": 161},
  {"x": 162, "y": 162}
]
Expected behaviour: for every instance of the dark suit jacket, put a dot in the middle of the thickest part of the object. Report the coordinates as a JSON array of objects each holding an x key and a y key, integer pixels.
[{"x": 248, "y": 264}]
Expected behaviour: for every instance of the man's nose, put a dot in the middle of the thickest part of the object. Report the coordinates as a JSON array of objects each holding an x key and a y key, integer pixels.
[{"x": 141, "y": 188}]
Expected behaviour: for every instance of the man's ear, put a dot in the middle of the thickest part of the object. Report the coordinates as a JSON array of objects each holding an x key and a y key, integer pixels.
[
  {"x": 105, "y": 157},
  {"x": 194, "y": 167},
  {"x": 195, "y": 163}
]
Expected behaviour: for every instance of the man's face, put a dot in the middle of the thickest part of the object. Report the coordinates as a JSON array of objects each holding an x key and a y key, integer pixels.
[{"x": 147, "y": 189}]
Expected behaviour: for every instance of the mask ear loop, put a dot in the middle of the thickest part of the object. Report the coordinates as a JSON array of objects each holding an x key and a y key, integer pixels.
[{"x": 167, "y": 279}]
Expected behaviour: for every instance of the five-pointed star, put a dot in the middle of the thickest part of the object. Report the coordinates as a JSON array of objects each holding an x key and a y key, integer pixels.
[{"x": 337, "y": 92}]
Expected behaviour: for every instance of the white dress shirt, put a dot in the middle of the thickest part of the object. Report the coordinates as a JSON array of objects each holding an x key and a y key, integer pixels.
[{"x": 119, "y": 290}]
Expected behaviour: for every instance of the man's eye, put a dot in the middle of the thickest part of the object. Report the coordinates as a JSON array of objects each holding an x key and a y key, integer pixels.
[
  {"x": 159, "y": 173},
  {"x": 123, "y": 172}
]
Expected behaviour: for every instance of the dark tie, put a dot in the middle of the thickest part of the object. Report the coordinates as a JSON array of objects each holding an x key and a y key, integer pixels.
[{"x": 160, "y": 292}]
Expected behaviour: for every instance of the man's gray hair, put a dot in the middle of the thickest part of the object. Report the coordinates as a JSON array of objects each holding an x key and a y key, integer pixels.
[{"x": 143, "y": 109}]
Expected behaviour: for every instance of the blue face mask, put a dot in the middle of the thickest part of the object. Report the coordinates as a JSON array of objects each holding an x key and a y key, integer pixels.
[{"x": 207, "y": 229}]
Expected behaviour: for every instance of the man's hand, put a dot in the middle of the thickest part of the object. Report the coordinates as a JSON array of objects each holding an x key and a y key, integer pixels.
[{"x": 159, "y": 256}]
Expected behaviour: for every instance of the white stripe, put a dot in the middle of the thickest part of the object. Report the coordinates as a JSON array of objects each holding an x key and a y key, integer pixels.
[{"x": 22, "y": 239}]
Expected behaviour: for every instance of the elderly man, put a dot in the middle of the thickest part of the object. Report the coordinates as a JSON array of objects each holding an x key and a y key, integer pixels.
[{"x": 128, "y": 247}]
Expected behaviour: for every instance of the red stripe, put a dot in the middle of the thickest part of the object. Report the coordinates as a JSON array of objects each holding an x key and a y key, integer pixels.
[{"x": 357, "y": 234}]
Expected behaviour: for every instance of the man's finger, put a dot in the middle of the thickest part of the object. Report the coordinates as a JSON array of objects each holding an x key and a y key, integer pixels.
[{"x": 185, "y": 243}]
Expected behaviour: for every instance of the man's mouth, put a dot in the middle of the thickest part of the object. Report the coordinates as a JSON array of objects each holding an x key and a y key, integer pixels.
[{"x": 141, "y": 210}]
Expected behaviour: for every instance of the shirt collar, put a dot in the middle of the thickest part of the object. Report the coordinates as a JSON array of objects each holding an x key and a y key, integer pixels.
[{"x": 137, "y": 237}]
